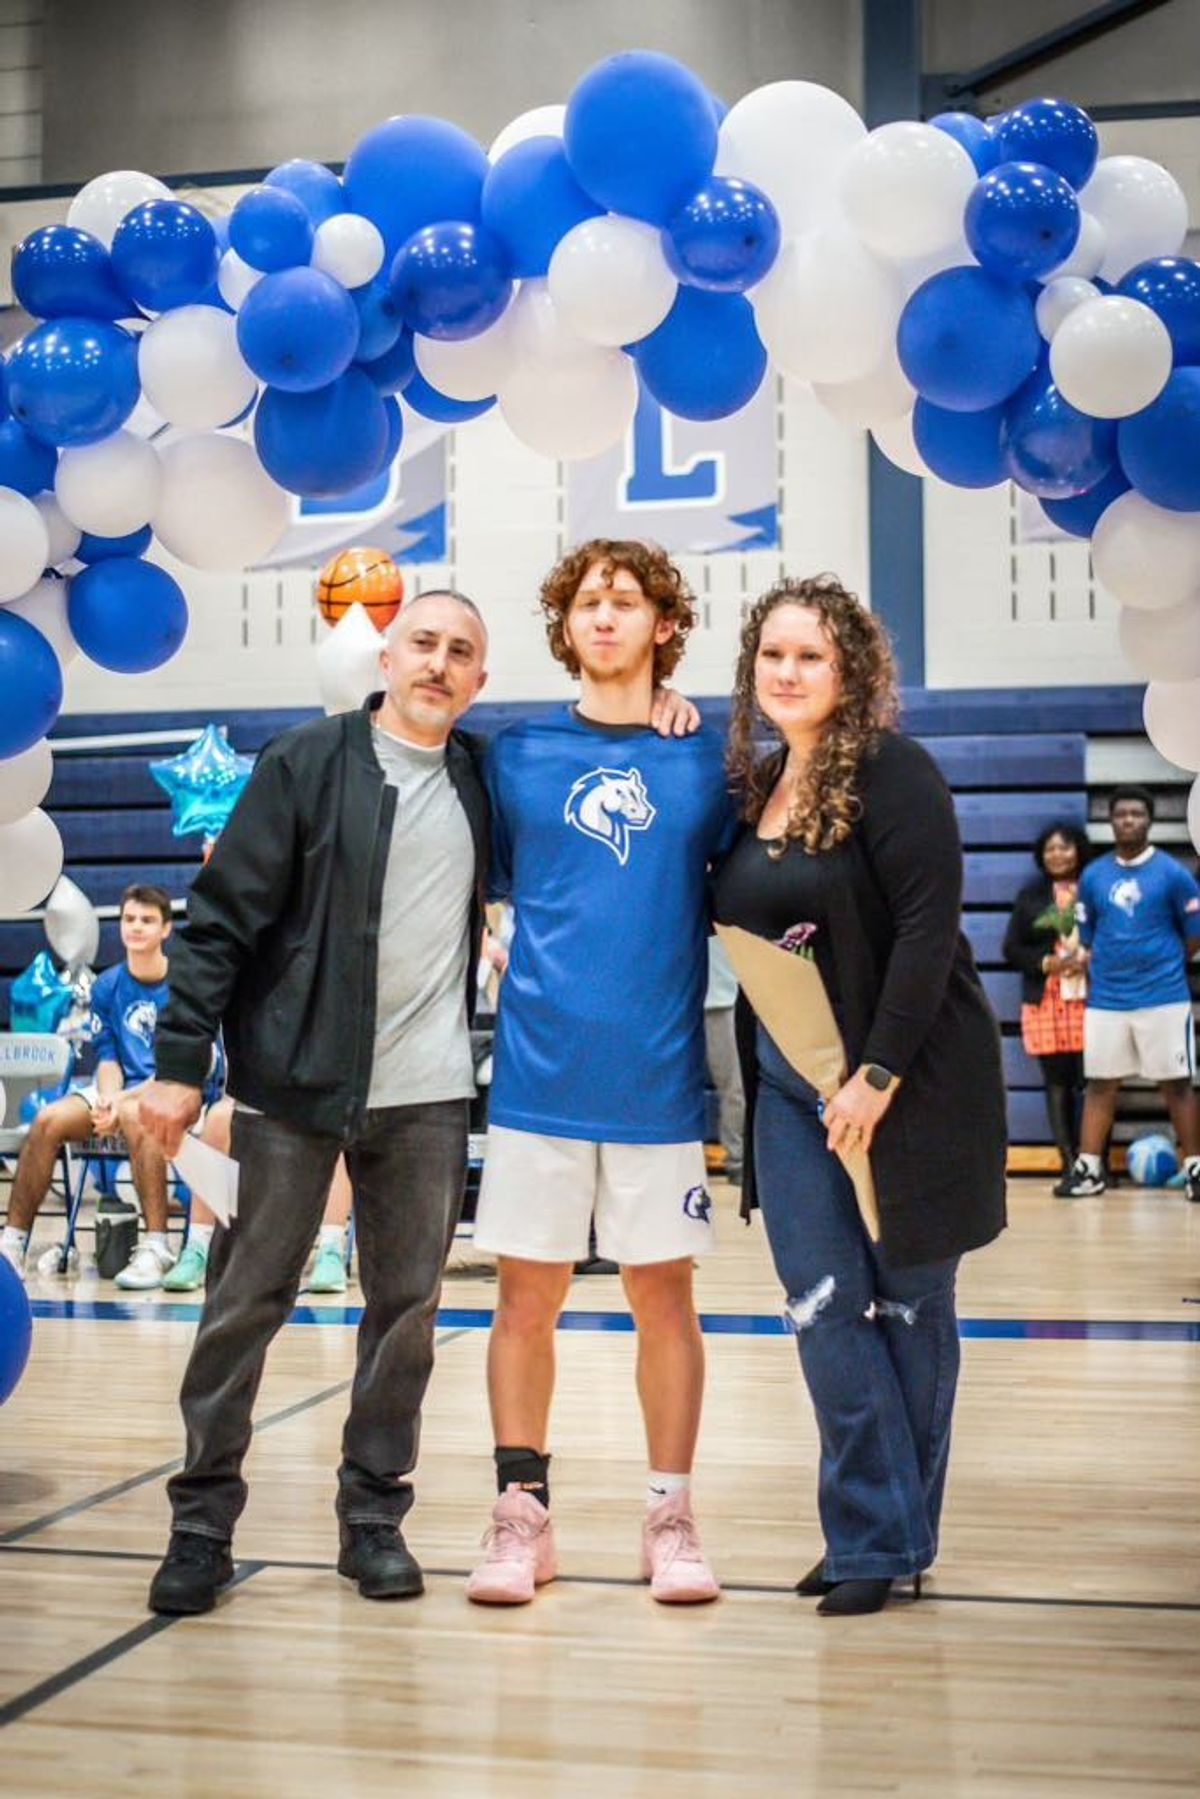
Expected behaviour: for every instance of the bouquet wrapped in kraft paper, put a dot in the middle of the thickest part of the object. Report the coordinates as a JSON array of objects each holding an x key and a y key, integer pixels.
[{"x": 784, "y": 986}]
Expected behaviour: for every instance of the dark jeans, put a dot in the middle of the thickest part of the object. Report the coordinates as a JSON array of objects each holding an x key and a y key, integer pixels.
[
  {"x": 407, "y": 1166},
  {"x": 878, "y": 1346}
]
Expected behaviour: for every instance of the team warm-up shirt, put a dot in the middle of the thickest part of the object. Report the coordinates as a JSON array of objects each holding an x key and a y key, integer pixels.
[
  {"x": 126, "y": 1012},
  {"x": 602, "y": 839},
  {"x": 1136, "y": 917}
]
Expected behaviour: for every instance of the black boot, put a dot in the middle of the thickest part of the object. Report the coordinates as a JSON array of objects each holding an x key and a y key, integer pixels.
[
  {"x": 853, "y": 1598},
  {"x": 814, "y": 1584},
  {"x": 378, "y": 1558},
  {"x": 191, "y": 1574}
]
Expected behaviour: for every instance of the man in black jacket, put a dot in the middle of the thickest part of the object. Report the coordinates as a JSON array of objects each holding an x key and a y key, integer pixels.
[{"x": 333, "y": 934}]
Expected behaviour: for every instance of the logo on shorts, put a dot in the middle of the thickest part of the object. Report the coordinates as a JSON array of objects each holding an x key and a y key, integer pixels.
[
  {"x": 141, "y": 1019},
  {"x": 607, "y": 804},
  {"x": 1126, "y": 894},
  {"x": 697, "y": 1205}
]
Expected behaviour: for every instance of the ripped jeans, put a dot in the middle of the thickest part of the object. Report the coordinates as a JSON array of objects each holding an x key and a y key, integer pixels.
[{"x": 878, "y": 1346}]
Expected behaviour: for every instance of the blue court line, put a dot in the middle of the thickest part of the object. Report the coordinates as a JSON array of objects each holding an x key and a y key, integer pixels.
[{"x": 714, "y": 1324}]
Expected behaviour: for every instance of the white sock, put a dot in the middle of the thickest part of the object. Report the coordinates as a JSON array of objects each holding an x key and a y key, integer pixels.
[
  {"x": 1093, "y": 1164},
  {"x": 1192, "y": 1164},
  {"x": 14, "y": 1243},
  {"x": 331, "y": 1236},
  {"x": 201, "y": 1235},
  {"x": 158, "y": 1240},
  {"x": 660, "y": 1486}
]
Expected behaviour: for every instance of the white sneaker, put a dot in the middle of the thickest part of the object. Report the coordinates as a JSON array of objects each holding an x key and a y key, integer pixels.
[
  {"x": 14, "y": 1257},
  {"x": 145, "y": 1268},
  {"x": 48, "y": 1263}
]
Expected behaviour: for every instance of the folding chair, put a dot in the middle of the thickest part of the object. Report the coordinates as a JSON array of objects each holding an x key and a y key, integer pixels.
[{"x": 29, "y": 1061}]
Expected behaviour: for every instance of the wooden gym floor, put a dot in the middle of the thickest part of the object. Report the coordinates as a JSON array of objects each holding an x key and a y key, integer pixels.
[{"x": 1057, "y": 1651}]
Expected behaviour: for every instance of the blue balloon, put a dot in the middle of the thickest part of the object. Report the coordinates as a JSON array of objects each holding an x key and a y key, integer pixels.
[
  {"x": 204, "y": 783},
  {"x": 1160, "y": 446},
  {"x": 317, "y": 188},
  {"x": 1051, "y": 132},
  {"x": 962, "y": 447},
  {"x": 392, "y": 372},
  {"x": 1170, "y": 286},
  {"x": 431, "y": 404},
  {"x": 101, "y": 549},
  {"x": 73, "y": 381},
  {"x": 395, "y": 433},
  {"x": 1082, "y": 513},
  {"x": 1051, "y": 448},
  {"x": 5, "y": 408},
  {"x": 298, "y": 329},
  {"x": 451, "y": 280},
  {"x": 165, "y": 254},
  {"x": 531, "y": 200},
  {"x": 127, "y": 615},
  {"x": 39, "y": 996},
  {"x": 641, "y": 134},
  {"x": 325, "y": 443},
  {"x": 412, "y": 171},
  {"x": 966, "y": 340},
  {"x": 1022, "y": 220},
  {"x": 16, "y": 1328},
  {"x": 706, "y": 358},
  {"x": 59, "y": 272},
  {"x": 726, "y": 237},
  {"x": 270, "y": 229},
  {"x": 379, "y": 320},
  {"x": 719, "y": 107},
  {"x": 31, "y": 686},
  {"x": 26, "y": 463},
  {"x": 974, "y": 135}
]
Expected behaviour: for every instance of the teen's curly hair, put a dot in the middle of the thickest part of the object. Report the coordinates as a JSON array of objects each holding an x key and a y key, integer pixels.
[
  {"x": 826, "y": 803},
  {"x": 655, "y": 573}
]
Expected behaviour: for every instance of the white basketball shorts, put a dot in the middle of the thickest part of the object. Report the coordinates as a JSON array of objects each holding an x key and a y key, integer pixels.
[{"x": 1155, "y": 1042}]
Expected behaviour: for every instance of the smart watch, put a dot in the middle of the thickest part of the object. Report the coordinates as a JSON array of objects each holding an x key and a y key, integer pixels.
[{"x": 877, "y": 1076}]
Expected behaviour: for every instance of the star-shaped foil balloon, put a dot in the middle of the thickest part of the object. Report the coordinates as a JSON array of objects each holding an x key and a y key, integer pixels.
[{"x": 203, "y": 783}]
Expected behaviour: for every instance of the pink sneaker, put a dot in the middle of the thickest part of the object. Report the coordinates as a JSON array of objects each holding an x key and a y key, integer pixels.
[
  {"x": 673, "y": 1560},
  {"x": 520, "y": 1552}
]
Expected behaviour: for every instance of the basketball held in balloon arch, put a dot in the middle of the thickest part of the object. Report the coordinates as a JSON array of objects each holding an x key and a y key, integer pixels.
[{"x": 363, "y": 577}]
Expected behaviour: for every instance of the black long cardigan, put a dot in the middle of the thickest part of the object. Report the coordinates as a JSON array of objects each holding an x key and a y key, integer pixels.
[
  {"x": 909, "y": 996},
  {"x": 1026, "y": 942}
]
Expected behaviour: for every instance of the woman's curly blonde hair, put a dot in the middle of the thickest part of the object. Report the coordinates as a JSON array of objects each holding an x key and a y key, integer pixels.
[
  {"x": 656, "y": 574},
  {"x": 825, "y": 805}
]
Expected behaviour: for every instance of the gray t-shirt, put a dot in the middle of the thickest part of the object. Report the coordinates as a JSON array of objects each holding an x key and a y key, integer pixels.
[{"x": 422, "y": 1042}]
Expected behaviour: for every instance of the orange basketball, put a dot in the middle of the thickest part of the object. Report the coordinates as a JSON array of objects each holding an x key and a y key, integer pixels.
[{"x": 361, "y": 576}]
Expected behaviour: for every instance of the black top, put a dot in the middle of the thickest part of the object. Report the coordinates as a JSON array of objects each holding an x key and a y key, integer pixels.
[
  {"x": 1026, "y": 942},
  {"x": 776, "y": 895}
]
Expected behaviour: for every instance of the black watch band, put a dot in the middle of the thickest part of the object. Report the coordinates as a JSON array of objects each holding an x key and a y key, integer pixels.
[{"x": 877, "y": 1076}]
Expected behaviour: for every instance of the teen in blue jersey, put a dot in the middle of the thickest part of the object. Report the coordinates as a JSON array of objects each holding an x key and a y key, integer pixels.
[
  {"x": 603, "y": 834},
  {"x": 1138, "y": 912}
]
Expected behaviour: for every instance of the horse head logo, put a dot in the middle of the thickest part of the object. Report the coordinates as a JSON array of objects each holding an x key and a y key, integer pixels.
[
  {"x": 1126, "y": 894},
  {"x": 607, "y": 804},
  {"x": 140, "y": 1020}
]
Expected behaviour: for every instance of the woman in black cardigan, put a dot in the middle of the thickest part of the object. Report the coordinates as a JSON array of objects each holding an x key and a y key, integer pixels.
[{"x": 851, "y": 833}]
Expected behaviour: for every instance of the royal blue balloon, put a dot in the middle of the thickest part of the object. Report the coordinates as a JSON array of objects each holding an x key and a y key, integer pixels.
[
  {"x": 102, "y": 549},
  {"x": 73, "y": 381},
  {"x": 438, "y": 406},
  {"x": 31, "y": 687},
  {"x": 5, "y": 408},
  {"x": 1051, "y": 132},
  {"x": 59, "y": 272},
  {"x": 1051, "y": 448},
  {"x": 298, "y": 329},
  {"x": 1170, "y": 286},
  {"x": 165, "y": 254},
  {"x": 1022, "y": 220},
  {"x": 379, "y": 319},
  {"x": 270, "y": 229},
  {"x": 974, "y": 135},
  {"x": 317, "y": 188},
  {"x": 1160, "y": 446},
  {"x": 726, "y": 237},
  {"x": 706, "y": 359},
  {"x": 531, "y": 200},
  {"x": 962, "y": 447},
  {"x": 391, "y": 372},
  {"x": 412, "y": 171},
  {"x": 395, "y": 433},
  {"x": 325, "y": 443},
  {"x": 16, "y": 1328},
  {"x": 966, "y": 340},
  {"x": 451, "y": 280},
  {"x": 127, "y": 615},
  {"x": 641, "y": 134},
  {"x": 720, "y": 109},
  {"x": 26, "y": 463},
  {"x": 1082, "y": 513}
]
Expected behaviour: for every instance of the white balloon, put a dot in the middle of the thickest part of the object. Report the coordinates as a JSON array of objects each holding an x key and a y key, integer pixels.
[
  {"x": 24, "y": 544},
  {"x": 1060, "y": 297},
  {"x": 109, "y": 488},
  {"x": 348, "y": 247},
  {"x": 573, "y": 409},
  {"x": 1193, "y": 814},
  {"x": 348, "y": 662},
  {"x": 31, "y": 859},
  {"x": 72, "y": 925},
  {"x": 904, "y": 188},
  {"x": 790, "y": 138},
  {"x": 235, "y": 278},
  {"x": 828, "y": 310},
  {"x": 1110, "y": 356},
  {"x": 45, "y": 607},
  {"x": 191, "y": 369},
  {"x": 470, "y": 368},
  {"x": 1142, "y": 210},
  {"x": 100, "y": 206},
  {"x": 218, "y": 509},
  {"x": 62, "y": 537},
  {"x": 1163, "y": 645},
  {"x": 1085, "y": 259},
  {"x": 145, "y": 420},
  {"x": 1146, "y": 556},
  {"x": 915, "y": 273},
  {"x": 895, "y": 439},
  {"x": 539, "y": 332},
  {"x": 1171, "y": 711},
  {"x": 884, "y": 392},
  {"x": 25, "y": 781},
  {"x": 610, "y": 281},
  {"x": 539, "y": 121}
]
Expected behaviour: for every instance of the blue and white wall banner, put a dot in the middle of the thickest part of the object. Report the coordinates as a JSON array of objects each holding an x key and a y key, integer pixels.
[{"x": 696, "y": 488}]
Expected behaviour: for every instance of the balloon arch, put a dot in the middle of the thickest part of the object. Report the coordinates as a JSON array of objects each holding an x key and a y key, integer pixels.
[{"x": 994, "y": 301}]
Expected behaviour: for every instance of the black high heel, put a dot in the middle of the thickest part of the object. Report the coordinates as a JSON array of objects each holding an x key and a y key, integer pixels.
[
  {"x": 855, "y": 1598},
  {"x": 814, "y": 1584}
]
